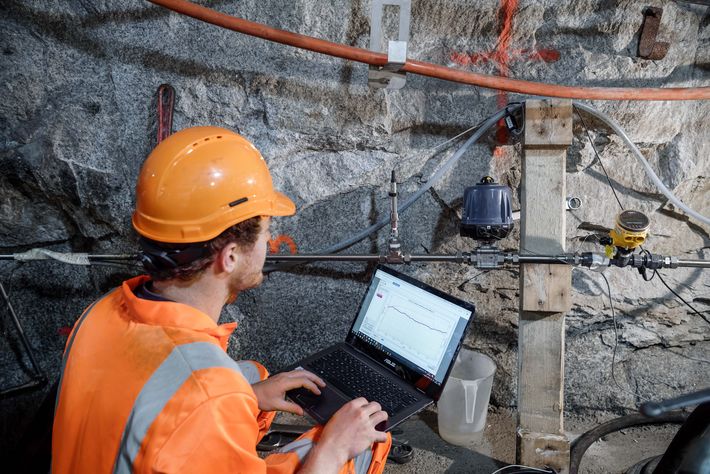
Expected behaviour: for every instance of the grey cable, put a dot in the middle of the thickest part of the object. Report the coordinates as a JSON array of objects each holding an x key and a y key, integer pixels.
[
  {"x": 647, "y": 167},
  {"x": 433, "y": 179}
]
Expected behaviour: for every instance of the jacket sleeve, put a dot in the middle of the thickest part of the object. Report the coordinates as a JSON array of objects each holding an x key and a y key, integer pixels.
[{"x": 219, "y": 436}]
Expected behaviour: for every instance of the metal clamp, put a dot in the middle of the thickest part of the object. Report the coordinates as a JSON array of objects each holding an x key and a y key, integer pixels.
[{"x": 389, "y": 76}]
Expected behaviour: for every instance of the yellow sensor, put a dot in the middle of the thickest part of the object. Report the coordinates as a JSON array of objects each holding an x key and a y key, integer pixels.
[{"x": 631, "y": 229}]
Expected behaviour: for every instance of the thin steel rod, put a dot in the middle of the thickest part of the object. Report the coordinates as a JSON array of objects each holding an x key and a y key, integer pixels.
[
  {"x": 360, "y": 258},
  {"x": 437, "y": 258},
  {"x": 323, "y": 258},
  {"x": 21, "y": 388},
  {"x": 694, "y": 263},
  {"x": 560, "y": 259},
  {"x": 23, "y": 338},
  {"x": 90, "y": 257}
]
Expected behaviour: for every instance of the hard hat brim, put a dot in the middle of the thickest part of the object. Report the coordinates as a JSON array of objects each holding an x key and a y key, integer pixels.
[{"x": 282, "y": 205}]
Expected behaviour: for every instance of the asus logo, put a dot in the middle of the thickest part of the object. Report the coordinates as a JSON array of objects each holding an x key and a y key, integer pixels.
[{"x": 390, "y": 363}]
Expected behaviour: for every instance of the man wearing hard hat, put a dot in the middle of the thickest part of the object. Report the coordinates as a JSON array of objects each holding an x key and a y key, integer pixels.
[{"x": 146, "y": 384}]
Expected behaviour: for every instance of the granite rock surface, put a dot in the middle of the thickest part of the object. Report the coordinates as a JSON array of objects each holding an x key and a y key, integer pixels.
[{"x": 77, "y": 117}]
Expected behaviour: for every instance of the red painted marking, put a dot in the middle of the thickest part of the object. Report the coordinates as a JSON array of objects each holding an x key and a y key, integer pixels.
[
  {"x": 275, "y": 244},
  {"x": 546, "y": 55},
  {"x": 64, "y": 331},
  {"x": 502, "y": 56}
]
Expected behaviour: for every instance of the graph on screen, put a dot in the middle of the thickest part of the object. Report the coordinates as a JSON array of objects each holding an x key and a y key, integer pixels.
[{"x": 414, "y": 330}]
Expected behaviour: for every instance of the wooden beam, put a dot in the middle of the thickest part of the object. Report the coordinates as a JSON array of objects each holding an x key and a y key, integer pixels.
[{"x": 544, "y": 289}]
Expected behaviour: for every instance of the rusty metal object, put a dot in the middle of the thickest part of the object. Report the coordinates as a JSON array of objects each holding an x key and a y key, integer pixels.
[
  {"x": 649, "y": 47},
  {"x": 166, "y": 105}
]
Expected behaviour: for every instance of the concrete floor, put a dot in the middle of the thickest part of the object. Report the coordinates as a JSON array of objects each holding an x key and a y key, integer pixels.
[{"x": 612, "y": 454}]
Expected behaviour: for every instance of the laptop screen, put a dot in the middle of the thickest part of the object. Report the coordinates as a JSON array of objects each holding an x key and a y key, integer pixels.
[{"x": 413, "y": 325}]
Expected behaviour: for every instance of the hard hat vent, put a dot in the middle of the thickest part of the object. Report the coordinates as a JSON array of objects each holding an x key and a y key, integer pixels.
[{"x": 206, "y": 139}]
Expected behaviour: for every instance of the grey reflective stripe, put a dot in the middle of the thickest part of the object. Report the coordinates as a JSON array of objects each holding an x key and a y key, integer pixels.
[
  {"x": 160, "y": 388},
  {"x": 300, "y": 448},
  {"x": 250, "y": 371},
  {"x": 70, "y": 342},
  {"x": 362, "y": 461}
]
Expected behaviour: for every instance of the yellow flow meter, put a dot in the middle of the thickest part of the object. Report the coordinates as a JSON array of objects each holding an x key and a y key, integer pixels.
[{"x": 630, "y": 230}]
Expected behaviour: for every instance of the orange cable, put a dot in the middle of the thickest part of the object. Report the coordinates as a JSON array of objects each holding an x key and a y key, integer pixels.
[{"x": 428, "y": 69}]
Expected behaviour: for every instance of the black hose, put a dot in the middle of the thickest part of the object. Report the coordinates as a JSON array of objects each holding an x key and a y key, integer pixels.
[
  {"x": 581, "y": 444},
  {"x": 690, "y": 448}
]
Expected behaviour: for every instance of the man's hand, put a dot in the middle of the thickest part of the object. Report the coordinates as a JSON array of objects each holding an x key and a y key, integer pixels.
[
  {"x": 271, "y": 393},
  {"x": 351, "y": 430}
]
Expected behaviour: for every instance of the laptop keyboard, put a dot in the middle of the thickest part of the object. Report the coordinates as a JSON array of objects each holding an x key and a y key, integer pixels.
[{"x": 357, "y": 379}]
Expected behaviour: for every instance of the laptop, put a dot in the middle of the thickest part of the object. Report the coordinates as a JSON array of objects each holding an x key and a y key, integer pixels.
[{"x": 399, "y": 351}]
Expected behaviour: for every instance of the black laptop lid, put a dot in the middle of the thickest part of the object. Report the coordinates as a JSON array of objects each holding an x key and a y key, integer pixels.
[{"x": 412, "y": 328}]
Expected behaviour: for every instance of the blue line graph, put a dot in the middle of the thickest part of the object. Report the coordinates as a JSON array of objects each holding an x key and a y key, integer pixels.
[
  {"x": 414, "y": 319},
  {"x": 414, "y": 331}
]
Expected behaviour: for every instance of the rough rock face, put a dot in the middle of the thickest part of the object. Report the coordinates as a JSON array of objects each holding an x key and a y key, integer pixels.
[{"x": 77, "y": 118}]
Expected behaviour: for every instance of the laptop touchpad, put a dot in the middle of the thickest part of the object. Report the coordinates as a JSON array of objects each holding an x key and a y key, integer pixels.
[{"x": 320, "y": 407}]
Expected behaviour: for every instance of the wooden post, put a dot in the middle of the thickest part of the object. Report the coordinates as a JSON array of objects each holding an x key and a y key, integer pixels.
[{"x": 544, "y": 289}]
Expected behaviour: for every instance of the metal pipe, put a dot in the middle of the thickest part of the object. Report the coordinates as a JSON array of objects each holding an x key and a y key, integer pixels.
[
  {"x": 460, "y": 258},
  {"x": 559, "y": 259},
  {"x": 693, "y": 263},
  {"x": 323, "y": 258},
  {"x": 427, "y": 69},
  {"x": 683, "y": 401}
]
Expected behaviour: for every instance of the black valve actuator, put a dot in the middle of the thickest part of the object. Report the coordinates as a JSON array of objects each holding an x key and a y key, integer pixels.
[{"x": 487, "y": 212}]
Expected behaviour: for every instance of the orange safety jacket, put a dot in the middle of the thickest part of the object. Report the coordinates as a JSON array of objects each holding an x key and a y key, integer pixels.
[{"x": 147, "y": 386}]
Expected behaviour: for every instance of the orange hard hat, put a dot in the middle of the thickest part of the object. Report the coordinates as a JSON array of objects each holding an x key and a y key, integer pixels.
[{"x": 200, "y": 181}]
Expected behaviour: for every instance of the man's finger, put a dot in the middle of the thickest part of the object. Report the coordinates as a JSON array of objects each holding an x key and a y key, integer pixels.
[
  {"x": 298, "y": 382},
  {"x": 307, "y": 374},
  {"x": 358, "y": 402},
  {"x": 379, "y": 417},
  {"x": 285, "y": 405},
  {"x": 310, "y": 386},
  {"x": 372, "y": 407}
]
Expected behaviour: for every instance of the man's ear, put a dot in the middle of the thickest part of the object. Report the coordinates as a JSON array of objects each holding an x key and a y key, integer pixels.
[{"x": 228, "y": 258}]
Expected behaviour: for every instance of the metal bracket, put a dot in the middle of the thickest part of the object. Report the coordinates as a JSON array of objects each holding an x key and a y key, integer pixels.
[{"x": 389, "y": 76}]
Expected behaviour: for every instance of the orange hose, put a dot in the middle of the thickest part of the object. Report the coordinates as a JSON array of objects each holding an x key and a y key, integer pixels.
[{"x": 427, "y": 69}]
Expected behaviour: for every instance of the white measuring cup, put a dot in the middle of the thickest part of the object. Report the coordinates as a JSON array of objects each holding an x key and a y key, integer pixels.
[{"x": 463, "y": 405}]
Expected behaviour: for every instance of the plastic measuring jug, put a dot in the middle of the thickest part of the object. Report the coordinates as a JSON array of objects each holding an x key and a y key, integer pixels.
[{"x": 463, "y": 405}]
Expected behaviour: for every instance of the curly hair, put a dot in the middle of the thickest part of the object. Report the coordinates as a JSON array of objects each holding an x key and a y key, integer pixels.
[{"x": 244, "y": 234}]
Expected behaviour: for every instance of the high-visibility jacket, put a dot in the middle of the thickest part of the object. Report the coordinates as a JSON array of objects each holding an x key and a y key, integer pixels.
[{"x": 147, "y": 386}]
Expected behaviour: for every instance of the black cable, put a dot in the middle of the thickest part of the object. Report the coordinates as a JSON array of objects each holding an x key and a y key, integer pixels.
[
  {"x": 616, "y": 341},
  {"x": 680, "y": 297},
  {"x": 599, "y": 158}
]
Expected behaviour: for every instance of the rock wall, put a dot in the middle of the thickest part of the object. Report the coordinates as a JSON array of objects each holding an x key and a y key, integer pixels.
[{"x": 77, "y": 118}]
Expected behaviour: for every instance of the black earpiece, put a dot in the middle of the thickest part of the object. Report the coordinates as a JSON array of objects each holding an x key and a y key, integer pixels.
[{"x": 156, "y": 258}]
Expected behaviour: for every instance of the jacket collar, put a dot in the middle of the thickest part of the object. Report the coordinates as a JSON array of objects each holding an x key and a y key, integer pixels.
[{"x": 172, "y": 314}]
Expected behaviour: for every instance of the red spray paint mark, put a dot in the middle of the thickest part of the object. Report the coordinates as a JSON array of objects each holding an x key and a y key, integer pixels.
[
  {"x": 275, "y": 244},
  {"x": 502, "y": 56},
  {"x": 64, "y": 331}
]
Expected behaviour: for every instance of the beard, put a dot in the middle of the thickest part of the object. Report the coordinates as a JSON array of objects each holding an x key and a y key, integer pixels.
[{"x": 243, "y": 282}]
